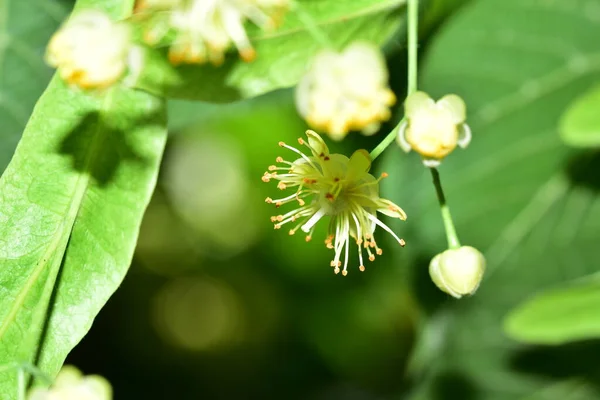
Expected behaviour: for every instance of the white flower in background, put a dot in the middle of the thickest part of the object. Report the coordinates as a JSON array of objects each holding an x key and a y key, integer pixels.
[
  {"x": 346, "y": 91},
  {"x": 458, "y": 272},
  {"x": 70, "y": 384},
  {"x": 92, "y": 51},
  {"x": 338, "y": 187},
  {"x": 206, "y": 29},
  {"x": 434, "y": 129}
]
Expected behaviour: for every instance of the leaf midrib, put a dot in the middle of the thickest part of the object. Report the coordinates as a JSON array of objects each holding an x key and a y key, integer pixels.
[{"x": 61, "y": 235}]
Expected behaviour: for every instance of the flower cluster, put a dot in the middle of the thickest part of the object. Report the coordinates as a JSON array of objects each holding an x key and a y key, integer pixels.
[
  {"x": 92, "y": 51},
  {"x": 338, "y": 187},
  {"x": 205, "y": 29},
  {"x": 433, "y": 129},
  {"x": 70, "y": 384},
  {"x": 346, "y": 91}
]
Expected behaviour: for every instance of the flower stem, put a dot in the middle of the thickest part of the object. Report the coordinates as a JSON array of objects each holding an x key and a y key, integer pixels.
[
  {"x": 311, "y": 26},
  {"x": 413, "y": 34},
  {"x": 453, "y": 242}
]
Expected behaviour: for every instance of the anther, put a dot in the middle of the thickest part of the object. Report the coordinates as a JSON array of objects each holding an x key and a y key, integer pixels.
[
  {"x": 279, "y": 159},
  {"x": 379, "y": 252},
  {"x": 276, "y": 226},
  {"x": 308, "y": 238},
  {"x": 281, "y": 186},
  {"x": 281, "y": 144},
  {"x": 278, "y": 204},
  {"x": 337, "y": 270},
  {"x": 272, "y": 167},
  {"x": 371, "y": 257},
  {"x": 402, "y": 242},
  {"x": 361, "y": 268},
  {"x": 384, "y": 175},
  {"x": 292, "y": 231},
  {"x": 300, "y": 140},
  {"x": 344, "y": 273},
  {"x": 268, "y": 200}
]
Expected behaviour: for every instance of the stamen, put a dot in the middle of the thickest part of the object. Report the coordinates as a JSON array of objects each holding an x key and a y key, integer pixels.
[
  {"x": 384, "y": 226},
  {"x": 313, "y": 220}
]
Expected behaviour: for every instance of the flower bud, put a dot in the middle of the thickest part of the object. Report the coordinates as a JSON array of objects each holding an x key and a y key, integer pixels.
[
  {"x": 458, "y": 271},
  {"x": 90, "y": 50},
  {"x": 433, "y": 129},
  {"x": 70, "y": 384}
]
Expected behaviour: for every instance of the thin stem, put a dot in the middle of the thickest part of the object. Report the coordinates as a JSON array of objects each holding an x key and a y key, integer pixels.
[
  {"x": 413, "y": 35},
  {"x": 376, "y": 152},
  {"x": 311, "y": 26},
  {"x": 453, "y": 242}
]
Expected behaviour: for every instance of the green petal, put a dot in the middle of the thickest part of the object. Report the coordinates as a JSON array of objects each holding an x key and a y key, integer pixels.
[
  {"x": 360, "y": 162},
  {"x": 317, "y": 143},
  {"x": 456, "y": 106}
]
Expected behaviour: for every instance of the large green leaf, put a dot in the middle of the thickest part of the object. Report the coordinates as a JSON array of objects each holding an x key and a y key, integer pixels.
[
  {"x": 580, "y": 124},
  {"x": 25, "y": 27},
  {"x": 558, "y": 315},
  {"x": 283, "y": 55},
  {"x": 516, "y": 193},
  {"x": 71, "y": 203}
]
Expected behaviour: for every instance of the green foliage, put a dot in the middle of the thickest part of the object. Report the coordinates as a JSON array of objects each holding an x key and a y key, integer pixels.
[
  {"x": 283, "y": 55},
  {"x": 71, "y": 203},
  {"x": 25, "y": 27},
  {"x": 580, "y": 124},
  {"x": 558, "y": 315},
  {"x": 516, "y": 193}
]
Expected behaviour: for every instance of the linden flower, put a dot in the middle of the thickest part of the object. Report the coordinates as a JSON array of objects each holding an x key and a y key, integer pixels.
[
  {"x": 336, "y": 186},
  {"x": 92, "y": 51},
  {"x": 70, "y": 384},
  {"x": 433, "y": 129},
  {"x": 346, "y": 91},
  {"x": 206, "y": 29}
]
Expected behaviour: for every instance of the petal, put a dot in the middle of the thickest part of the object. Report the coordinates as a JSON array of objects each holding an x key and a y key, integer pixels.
[
  {"x": 456, "y": 106},
  {"x": 417, "y": 102},
  {"x": 360, "y": 162},
  {"x": 391, "y": 209},
  {"x": 317, "y": 144}
]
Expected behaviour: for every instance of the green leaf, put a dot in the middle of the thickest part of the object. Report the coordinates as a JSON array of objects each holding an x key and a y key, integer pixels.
[
  {"x": 71, "y": 203},
  {"x": 283, "y": 55},
  {"x": 580, "y": 124},
  {"x": 558, "y": 315},
  {"x": 516, "y": 193},
  {"x": 25, "y": 27}
]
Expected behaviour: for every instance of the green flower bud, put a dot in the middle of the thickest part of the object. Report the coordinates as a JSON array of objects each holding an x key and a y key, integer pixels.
[{"x": 458, "y": 271}]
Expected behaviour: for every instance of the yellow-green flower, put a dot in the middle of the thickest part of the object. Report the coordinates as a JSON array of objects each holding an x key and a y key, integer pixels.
[
  {"x": 334, "y": 186},
  {"x": 70, "y": 384},
  {"x": 433, "y": 129},
  {"x": 346, "y": 91}
]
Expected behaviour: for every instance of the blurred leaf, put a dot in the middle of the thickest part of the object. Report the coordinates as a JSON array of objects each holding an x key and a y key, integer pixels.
[
  {"x": 25, "y": 27},
  {"x": 514, "y": 193},
  {"x": 580, "y": 124},
  {"x": 558, "y": 315},
  {"x": 71, "y": 203},
  {"x": 283, "y": 55}
]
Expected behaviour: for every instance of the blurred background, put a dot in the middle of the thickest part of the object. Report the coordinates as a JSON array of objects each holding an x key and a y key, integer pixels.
[{"x": 218, "y": 305}]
